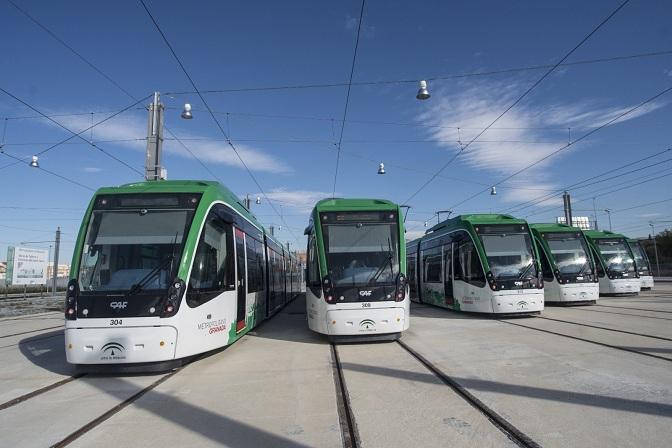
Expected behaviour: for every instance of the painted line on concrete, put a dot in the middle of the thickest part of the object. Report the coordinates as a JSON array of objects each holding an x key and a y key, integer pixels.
[
  {"x": 588, "y": 340},
  {"x": 37, "y": 392},
  {"x": 346, "y": 419},
  {"x": 606, "y": 328},
  {"x": 513, "y": 433}
]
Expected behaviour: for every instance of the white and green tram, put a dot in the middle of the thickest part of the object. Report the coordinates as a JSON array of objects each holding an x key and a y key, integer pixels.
[
  {"x": 483, "y": 263},
  {"x": 643, "y": 264},
  {"x": 615, "y": 263},
  {"x": 567, "y": 266},
  {"x": 166, "y": 270},
  {"x": 356, "y": 270}
]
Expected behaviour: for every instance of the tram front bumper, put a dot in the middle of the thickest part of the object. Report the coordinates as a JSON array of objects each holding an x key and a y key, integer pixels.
[
  {"x": 646, "y": 281},
  {"x": 579, "y": 292},
  {"x": 620, "y": 286},
  {"x": 366, "y": 321},
  {"x": 518, "y": 301},
  {"x": 120, "y": 345}
]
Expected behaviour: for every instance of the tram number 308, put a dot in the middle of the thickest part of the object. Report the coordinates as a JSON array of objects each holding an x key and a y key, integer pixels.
[
  {"x": 115, "y": 321},
  {"x": 366, "y": 305}
]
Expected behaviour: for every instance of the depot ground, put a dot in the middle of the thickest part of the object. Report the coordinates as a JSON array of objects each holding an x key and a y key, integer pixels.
[{"x": 576, "y": 376}]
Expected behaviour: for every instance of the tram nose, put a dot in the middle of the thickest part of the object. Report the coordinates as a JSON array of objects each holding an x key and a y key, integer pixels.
[{"x": 120, "y": 345}]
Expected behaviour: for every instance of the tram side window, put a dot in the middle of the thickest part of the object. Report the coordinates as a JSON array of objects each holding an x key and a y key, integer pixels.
[
  {"x": 255, "y": 265},
  {"x": 410, "y": 269},
  {"x": 313, "y": 264},
  {"x": 213, "y": 269},
  {"x": 468, "y": 264},
  {"x": 447, "y": 261},
  {"x": 545, "y": 265},
  {"x": 432, "y": 265},
  {"x": 598, "y": 264}
]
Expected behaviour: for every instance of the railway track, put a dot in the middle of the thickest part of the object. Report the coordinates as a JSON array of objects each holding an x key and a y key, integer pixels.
[
  {"x": 622, "y": 314},
  {"x": 349, "y": 426},
  {"x": 605, "y": 328},
  {"x": 603, "y": 344},
  {"x": 636, "y": 309}
]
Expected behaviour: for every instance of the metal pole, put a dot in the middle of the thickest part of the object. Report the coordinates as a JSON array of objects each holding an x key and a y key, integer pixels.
[
  {"x": 565, "y": 204},
  {"x": 595, "y": 214},
  {"x": 154, "y": 139},
  {"x": 609, "y": 215},
  {"x": 56, "y": 249},
  {"x": 655, "y": 248},
  {"x": 569, "y": 209},
  {"x": 247, "y": 201}
]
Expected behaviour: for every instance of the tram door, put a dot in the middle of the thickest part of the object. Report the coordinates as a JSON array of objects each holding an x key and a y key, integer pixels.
[
  {"x": 448, "y": 274},
  {"x": 242, "y": 284}
]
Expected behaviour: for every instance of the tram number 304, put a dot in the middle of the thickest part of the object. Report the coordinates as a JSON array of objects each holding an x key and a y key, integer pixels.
[
  {"x": 115, "y": 321},
  {"x": 366, "y": 305}
]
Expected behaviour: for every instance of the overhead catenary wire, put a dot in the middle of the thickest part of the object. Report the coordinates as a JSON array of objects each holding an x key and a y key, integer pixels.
[
  {"x": 214, "y": 118},
  {"x": 543, "y": 198},
  {"x": 427, "y": 78},
  {"x": 518, "y": 100},
  {"x": 67, "y": 179},
  {"x": 570, "y": 144},
  {"x": 75, "y": 134},
  {"x": 347, "y": 96}
]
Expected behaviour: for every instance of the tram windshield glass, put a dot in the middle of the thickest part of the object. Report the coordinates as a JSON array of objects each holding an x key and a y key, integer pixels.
[
  {"x": 570, "y": 252},
  {"x": 640, "y": 259},
  {"x": 509, "y": 251},
  {"x": 130, "y": 247},
  {"x": 616, "y": 255},
  {"x": 362, "y": 248}
]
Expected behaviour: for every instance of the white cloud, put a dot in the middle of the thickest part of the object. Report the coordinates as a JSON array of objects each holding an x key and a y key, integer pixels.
[
  {"x": 92, "y": 169},
  {"x": 133, "y": 131},
  {"x": 299, "y": 200},
  {"x": 524, "y": 135}
]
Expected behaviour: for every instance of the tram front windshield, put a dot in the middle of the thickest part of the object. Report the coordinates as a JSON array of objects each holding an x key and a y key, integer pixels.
[
  {"x": 509, "y": 251},
  {"x": 361, "y": 248},
  {"x": 640, "y": 259},
  {"x": 130, "y": 247},
  {"x": 616, "y": 255},
  {"x": 570, "y": 252}
]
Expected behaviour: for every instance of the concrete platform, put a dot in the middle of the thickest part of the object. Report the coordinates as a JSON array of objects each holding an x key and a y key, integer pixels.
[{"x": 276, "y": 387}]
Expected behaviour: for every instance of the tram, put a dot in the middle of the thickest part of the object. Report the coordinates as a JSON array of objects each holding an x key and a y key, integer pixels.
[
  {"x": 567, "y": 266},
  {"x": 643, "y": 264},
  {"x": 356, "y": 270},
  {"x": 166, "y": 270},
  {"x": 615, "y": 262},
  {"x": 483, "y": 263}
]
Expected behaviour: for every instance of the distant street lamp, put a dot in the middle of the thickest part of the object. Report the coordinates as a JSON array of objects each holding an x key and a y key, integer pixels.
[
  {"x": 493, "y": 191},
  {"x": 655, "y": 247},
  {"x": 423, "y": 93},
  {"x": 34, "y": 163},
  {"x": 186, "y": 113},
  {"x": 381, "y": 168},
  {"x": 609, "y": 215}
]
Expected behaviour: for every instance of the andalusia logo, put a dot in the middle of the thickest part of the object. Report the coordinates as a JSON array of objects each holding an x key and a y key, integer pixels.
[
  {"x": 112, "y": 348},
  {"x": 367, "y": 323}
]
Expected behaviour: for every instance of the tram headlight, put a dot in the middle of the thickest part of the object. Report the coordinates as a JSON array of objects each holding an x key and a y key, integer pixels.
[{"x": 71, "y": 293}]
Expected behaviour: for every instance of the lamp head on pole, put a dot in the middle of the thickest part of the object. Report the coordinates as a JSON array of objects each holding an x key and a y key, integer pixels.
[
  {"x": 186, "y": 113},
  {"x": 258, "y": 201},
  {"x": 423, "y": 93},
  {"x": 493, "y": 191},
  {"x": 381, "y": 168},
  {"x": 34, "y": 163}
]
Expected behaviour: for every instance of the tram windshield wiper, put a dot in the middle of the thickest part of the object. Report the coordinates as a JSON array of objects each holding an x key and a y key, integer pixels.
[
  {"x": 387, "y": 260},
  {"x": 136, "y": 288},
  {"x": 527, "y": 269}
]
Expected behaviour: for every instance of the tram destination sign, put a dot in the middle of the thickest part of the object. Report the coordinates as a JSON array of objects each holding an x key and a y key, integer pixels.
[{"x": 26, "y": 266}]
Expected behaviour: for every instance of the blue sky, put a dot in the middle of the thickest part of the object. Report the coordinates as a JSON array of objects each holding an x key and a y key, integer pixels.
[{"x": 288, "y": 136}]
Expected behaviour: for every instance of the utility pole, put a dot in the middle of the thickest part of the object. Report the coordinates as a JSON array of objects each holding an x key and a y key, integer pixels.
[
  {"x": 153, "y": 169},
  {"x": 272, "y": 229},
  {"x": 567, "y": 201},
  {"x": 655, "y": 248},
  {"x": 595, "y": 214},
  {"x": 608, "y": 210},
  {"x": 57, "y": 245}
]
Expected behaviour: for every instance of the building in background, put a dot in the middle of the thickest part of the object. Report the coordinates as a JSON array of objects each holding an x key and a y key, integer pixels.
[
  {"x": 63, "y": 270},
  {"x": 582, "y": 222}
]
